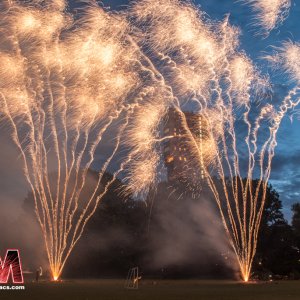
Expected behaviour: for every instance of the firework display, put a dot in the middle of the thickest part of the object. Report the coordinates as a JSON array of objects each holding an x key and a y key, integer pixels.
[
  {"x": 200, "y": 63},
  {"x": 68, "y": 80}
]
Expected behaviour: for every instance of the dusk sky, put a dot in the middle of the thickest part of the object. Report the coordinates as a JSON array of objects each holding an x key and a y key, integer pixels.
[
  {"x": 175, "y": 116},
  {"x": 285, "y": 175}
]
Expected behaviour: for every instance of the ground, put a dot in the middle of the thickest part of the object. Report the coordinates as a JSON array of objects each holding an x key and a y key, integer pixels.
[{"x": 155, "y": 290}]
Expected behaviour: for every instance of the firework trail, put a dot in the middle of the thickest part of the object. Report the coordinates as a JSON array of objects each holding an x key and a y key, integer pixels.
[
  {"x": 199, "y": 62},
  {"x": 65, "y": 81},
  {"x": 269, "y": 14}
]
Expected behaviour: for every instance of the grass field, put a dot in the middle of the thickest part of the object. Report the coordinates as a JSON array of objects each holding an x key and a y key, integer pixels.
[{"x": 153, "y": 290}]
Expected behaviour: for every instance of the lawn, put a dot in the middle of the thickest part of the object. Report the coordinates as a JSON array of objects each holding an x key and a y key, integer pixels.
[{"x": 153, "y": 290}]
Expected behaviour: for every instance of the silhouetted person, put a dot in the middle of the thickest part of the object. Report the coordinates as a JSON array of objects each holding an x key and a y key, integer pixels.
[{"x": 38, "y": 273}]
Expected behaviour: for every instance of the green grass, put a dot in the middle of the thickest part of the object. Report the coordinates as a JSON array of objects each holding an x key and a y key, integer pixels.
[{"x": 153, "y": 290}]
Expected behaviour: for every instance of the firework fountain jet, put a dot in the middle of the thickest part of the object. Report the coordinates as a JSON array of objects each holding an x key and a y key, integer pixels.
[
  {"x": 199, "y": 62},
  {"x": 64, "y": 83}
]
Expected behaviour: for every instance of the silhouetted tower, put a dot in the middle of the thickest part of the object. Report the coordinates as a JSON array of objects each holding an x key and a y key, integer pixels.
[{"x": 181, "y": 153}]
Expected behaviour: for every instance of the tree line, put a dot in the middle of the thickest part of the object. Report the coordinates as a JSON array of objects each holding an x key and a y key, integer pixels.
[{"x": 175, "y": 234}]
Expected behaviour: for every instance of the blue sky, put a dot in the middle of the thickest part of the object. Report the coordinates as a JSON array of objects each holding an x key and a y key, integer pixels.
[
  {"x": 285, "y": 175},
  {"x": 285, "y": 172}
]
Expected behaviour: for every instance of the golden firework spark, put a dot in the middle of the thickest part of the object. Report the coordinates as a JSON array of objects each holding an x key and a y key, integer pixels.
[
  {"x": 269, "y": 13},
  {"x": 65, "y": 81},
  {"x": 199, "y": 62},
  {"x": 63, "y": 84}
]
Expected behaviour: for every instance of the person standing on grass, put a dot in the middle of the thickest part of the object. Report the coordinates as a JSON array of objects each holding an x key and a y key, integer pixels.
[{"x": 38, "y": 274}]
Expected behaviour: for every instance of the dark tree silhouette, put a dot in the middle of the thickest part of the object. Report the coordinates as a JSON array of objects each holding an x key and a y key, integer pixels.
[
  {"x": 166, "y": 236},
  {"x": 277, "y": 253}
]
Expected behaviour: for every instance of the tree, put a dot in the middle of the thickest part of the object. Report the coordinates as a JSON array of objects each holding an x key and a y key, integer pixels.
[
  {"x": 277, "y": 252},
  {"x": 296, "y": 229},
  {"x": 296, "y": 220}
]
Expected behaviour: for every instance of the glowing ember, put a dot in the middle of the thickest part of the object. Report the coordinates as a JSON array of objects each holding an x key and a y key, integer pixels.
[
  {"x": 66, "y": 80},
  {"x": 63, "y": 84},
  {"x": 224, "y": 86},
  {"x": 269, "y": 13}
]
